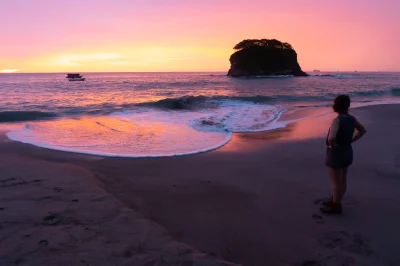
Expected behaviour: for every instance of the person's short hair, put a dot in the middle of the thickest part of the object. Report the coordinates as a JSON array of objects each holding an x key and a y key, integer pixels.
[{"x": 341, "y": 103}]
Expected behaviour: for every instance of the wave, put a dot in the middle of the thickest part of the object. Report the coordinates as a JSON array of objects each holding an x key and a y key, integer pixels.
[
  {"x": 396, "y": 91},
  {"x": 19, "y": 116},
  {"x": 240, "y": 121},
  {"x": 334, "y": 75},
  {"x": 321, "y": 75},
  {"x": 185, "y": 102},
  {"x": 200, "y": 102},
  {"x": 189, "y": 102},
  {"x": 369, "y": 93},
  {"x": 272, "y": 76}
]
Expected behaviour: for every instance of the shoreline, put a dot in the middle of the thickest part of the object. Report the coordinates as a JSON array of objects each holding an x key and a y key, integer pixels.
[
  {"x": 251, "y": 202},
  {"x": 289, "y": 119}
]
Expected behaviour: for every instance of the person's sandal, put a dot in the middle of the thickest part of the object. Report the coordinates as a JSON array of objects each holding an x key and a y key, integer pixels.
[{"x": 332, "y": 208}]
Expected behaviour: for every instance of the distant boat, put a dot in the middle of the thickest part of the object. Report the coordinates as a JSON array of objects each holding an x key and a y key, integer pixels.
[
  {"x": 316, "y": 71},
  {"x": 75, "y": 77}
]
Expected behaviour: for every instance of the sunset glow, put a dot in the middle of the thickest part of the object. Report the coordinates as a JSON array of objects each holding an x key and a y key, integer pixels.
[
  {"x": 9, "y": 70},
  {"x": 175, "y": 35}
]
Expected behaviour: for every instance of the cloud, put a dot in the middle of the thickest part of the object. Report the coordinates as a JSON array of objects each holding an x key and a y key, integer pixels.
[{"x": 82, "y": 59}]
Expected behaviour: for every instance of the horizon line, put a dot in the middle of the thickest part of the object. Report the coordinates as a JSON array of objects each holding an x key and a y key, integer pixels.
[{"x": 198, "y": 71}]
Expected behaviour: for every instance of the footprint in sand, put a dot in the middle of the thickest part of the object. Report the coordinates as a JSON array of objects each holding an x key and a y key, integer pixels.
[
  {"x": 13, "y": 181},
  {"x": 7, "y": 180},
  {"x": 351, "y": 243},
  {"x": 52, "y": 219},
  {"x": 50, "y": 198},
  {"x": 99, "y": 199},
  {"x": 318, "y": 219},
  {"x": 43, "y": 243},
  {"x": 348, "y": 247},
  {"x": 340, "y": 248},
  {"x": 57, "y": 189},
  {"x": 55, "y": 219}
]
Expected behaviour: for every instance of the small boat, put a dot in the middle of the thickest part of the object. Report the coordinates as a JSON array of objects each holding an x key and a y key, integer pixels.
[
  {"x": 75, "y": 77},
  {"x": 316, "y": 71}
]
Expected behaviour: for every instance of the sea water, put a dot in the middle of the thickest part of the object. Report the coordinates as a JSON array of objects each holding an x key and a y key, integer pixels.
[{"x": 167, "y": 114}]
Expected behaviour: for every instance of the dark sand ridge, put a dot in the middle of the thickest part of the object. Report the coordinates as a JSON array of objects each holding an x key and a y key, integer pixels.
[{"x": 252, "y": 202}]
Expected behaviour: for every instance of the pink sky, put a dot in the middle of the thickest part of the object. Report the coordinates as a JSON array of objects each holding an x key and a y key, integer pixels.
[{"x": 178, "y": 35}]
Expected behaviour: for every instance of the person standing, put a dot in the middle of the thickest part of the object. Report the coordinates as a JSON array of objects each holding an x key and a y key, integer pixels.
[{"x": 339, "y": 151}]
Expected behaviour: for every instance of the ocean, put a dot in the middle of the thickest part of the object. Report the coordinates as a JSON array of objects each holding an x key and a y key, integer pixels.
[{"x": 169, "y": 114}]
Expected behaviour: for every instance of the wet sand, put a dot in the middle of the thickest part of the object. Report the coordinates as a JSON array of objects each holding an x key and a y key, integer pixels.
[{"x": 253, "y": 202}]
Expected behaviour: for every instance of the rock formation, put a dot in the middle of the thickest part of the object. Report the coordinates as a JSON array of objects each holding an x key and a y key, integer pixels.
[{"x": 264, "y": 58}]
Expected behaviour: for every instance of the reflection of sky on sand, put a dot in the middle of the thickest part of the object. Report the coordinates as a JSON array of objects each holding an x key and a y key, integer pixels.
[
  {"x": 316, "y": 127},
  {"x": 114, "y": 137},
  {"x": 309, "y": 128}
]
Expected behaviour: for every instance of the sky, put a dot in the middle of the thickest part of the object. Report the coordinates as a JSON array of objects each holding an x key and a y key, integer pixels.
[{"x": 194, "y": 35}]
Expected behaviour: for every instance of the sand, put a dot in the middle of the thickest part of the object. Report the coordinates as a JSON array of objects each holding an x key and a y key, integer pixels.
[{"x": 253, "y": 202}]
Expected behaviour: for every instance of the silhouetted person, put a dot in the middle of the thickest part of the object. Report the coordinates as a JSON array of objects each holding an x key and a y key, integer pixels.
[{"x": 339, "y": 153}]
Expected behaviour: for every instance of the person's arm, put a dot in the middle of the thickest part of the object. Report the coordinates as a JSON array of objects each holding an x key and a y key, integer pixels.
[
  {"x": 360, "y": 131},
  {"x": 333, "y": 132}
]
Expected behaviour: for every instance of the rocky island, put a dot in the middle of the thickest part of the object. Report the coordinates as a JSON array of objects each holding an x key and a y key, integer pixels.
[{"x": 265, "y": 57}]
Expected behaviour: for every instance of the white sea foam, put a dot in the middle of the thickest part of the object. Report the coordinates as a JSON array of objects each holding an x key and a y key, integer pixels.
[
  {"x": 237, "y": 116},
  {"x": 370, "y": 103},
  {"x": 277, "y": 76}
]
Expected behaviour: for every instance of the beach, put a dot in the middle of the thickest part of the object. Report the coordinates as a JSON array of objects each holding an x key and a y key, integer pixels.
[{"x": 254, "y": 201}]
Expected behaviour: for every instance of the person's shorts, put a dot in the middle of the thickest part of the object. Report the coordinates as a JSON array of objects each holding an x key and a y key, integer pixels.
[{"x": 339, "y": 157}]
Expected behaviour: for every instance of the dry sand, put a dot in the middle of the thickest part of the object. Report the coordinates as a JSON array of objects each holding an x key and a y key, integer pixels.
[{"x": 253, "y": 202}]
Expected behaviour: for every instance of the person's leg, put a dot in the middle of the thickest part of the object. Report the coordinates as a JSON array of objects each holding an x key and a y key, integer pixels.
[
  {"x": 336, "y": 179},
  {"x": 344, "y": 181},
  {"x": 335, "y": 206}
]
